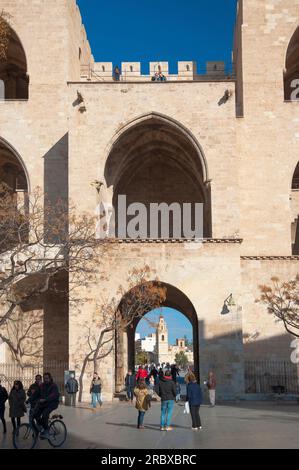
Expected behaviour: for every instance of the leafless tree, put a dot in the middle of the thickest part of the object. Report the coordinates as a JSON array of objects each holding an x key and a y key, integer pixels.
[
  {"x": 140, "y": 295},
  {"x": 5, "y": 33},
  {"x": 23, "y": 334},
  {"x": 40, "y": 245},
  {"x": 282, "y": 301}
]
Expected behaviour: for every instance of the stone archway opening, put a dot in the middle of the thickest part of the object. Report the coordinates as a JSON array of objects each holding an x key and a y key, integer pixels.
[
  {"x": 14, "y": 187},
  {"x": 13, "y": 69},
  {"x": 125, "y": 341},
  {"x": 160, "y": 335},
  {"x": 156, "y": 160},
  {"x": 291, "y": 75}
]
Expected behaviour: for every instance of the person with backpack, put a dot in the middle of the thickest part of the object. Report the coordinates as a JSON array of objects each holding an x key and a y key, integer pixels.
[
  {"x": 96, "y": 391},
  {"x": 167, "y": 392},
  {"x": 142, "y": 401},
  {"x": 3, "y": 399},
  {"x": 194, "y": 398},
  {"x": 72, "y": 388}
]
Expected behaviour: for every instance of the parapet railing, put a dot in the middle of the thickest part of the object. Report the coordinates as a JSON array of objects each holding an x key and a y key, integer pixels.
[{"x": 92, "y": 74}]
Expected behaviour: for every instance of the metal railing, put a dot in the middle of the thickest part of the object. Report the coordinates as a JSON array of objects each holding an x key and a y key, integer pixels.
[
  {"x": 9, "y": 372},
  {"x": 271, "y": 377}
]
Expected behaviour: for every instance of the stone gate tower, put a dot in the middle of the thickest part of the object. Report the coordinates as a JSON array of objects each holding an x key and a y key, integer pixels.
[{"x": 227, "y": 139}]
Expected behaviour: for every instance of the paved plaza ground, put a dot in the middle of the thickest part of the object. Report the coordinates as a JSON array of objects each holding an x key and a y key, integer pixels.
[{"x": 228, "y": 426}]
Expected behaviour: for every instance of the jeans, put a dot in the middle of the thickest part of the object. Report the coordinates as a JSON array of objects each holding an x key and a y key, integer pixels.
[
  {"x": 140, "y": 418},
  {"x": 194, "y": 411},
  {"x": 166, "y": 412},
  {"x": 96, "y": 398},
  {"x": 130, "y": 393}
]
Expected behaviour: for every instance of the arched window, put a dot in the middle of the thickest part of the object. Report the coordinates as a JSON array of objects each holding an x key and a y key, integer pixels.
[
  {"x": 163, "y": 338},
  {"x": 188, "y": 68},
  {"x": 103, "y": 68},
  {"x": 291, "y": 75},
  {"x": 13, "y": 69},
  {"x": 131, "y": 68},
  {"x": 14, "y": 185}
]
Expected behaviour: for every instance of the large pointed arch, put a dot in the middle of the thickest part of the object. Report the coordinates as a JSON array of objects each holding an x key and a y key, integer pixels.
[
  {"x": 14, "y": 70},
  {"x": 155, "y": 159},
  {"x": 9, "y": 154},
  {"x": 162, "y": 118},
  {"x": 292, "y": 67},
  {"x": 125, "y": 353}
]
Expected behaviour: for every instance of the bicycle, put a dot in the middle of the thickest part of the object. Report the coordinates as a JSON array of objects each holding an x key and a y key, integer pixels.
[{"x": 26, "y": 435}]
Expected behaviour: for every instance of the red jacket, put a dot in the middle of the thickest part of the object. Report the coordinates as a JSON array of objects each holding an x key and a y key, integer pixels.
[{"x": 141, "y": 374}]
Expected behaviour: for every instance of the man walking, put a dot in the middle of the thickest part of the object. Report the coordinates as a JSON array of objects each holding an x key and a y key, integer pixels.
[
  {"x": 72, "y": 388},
  {"x": 167, "y": 391},
  {"x": 130, "y": 383}
]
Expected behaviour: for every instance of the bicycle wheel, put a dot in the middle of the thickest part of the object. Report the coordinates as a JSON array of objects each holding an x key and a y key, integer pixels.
[
  {"x": 58, "y": 433},
  {"x": 24, "y": 437}
]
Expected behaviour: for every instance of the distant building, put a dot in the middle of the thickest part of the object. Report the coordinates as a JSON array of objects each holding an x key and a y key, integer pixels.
[
  {"x": 165, "y": 352},
  {"x": 148, "y": 343},
  {"x": 137, "y": 336}
]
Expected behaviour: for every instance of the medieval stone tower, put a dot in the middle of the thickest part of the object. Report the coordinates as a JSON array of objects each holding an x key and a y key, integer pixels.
[{"x": 226, "y": 140}]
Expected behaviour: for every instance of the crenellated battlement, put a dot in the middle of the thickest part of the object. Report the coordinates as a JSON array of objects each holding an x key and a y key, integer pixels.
[{"x": 159, "y": 71}]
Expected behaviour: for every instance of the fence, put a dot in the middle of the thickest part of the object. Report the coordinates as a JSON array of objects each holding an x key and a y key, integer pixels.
[
  {"x": 11, "y": 372},
  {"x": 271, "y": 377}
]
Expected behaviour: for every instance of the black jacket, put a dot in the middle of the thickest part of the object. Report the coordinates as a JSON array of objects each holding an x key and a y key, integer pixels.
[
  {"x": 50, "y": 393},
  {"x": 33, "y": 394},
  {"x": 166, "y": 389},
  {"x": 3, "y": 396},
  {"x": 130, "y": 381}
]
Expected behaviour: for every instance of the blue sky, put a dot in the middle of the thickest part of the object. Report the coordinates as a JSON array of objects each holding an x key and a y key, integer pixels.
[
  {"x": 158, "y": 30},
  {"x": 178, "y": 325}
]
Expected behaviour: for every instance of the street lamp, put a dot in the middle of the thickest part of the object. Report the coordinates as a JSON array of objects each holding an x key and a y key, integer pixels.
[{"x": 229, "y": 302}]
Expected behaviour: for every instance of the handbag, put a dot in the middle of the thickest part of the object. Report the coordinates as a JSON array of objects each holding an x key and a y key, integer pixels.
[{"x": 187, "y": 408}]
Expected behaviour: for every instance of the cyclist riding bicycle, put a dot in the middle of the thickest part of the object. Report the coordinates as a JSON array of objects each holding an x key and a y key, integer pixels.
[{"x": 47, "y": 402}]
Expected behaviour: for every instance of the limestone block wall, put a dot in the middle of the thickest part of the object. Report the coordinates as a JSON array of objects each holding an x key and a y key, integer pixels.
[
  {"x": 195, "y": 106},
  {"x": 268, "y": 135},
  {"x": 265, "y": 338},
  {"x": 206, "y": 275}
]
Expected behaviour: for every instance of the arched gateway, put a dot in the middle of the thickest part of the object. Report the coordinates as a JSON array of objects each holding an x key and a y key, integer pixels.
[
  {"x": 125, "y": 342},
  {"x": 155, "y": 159}
]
